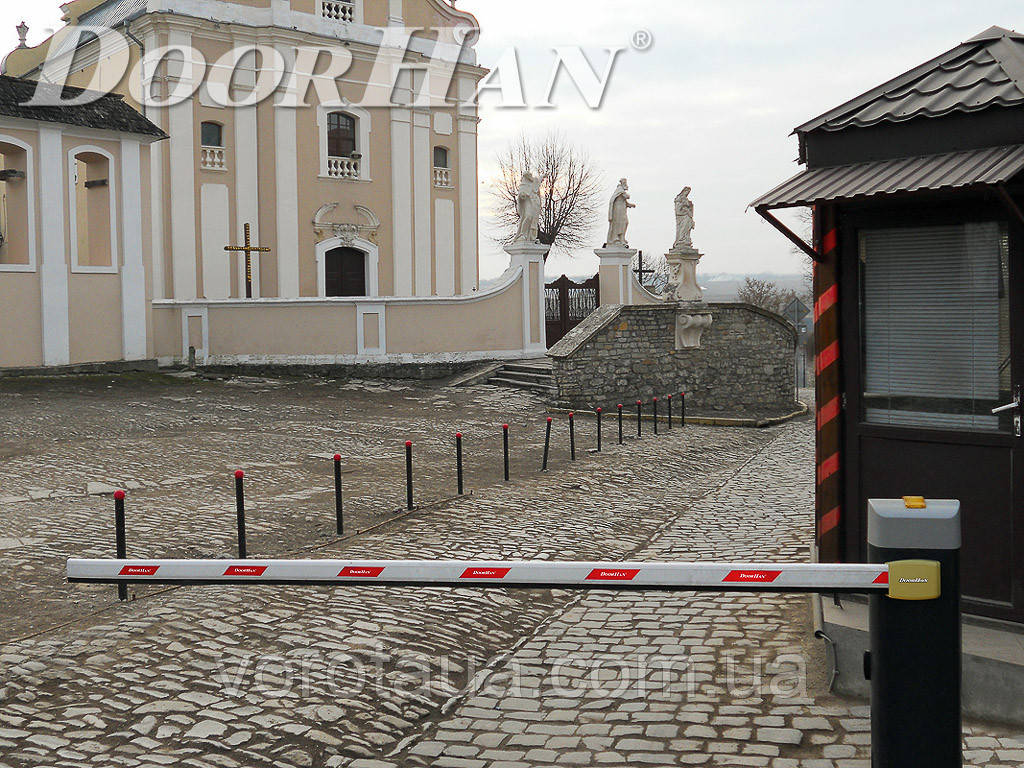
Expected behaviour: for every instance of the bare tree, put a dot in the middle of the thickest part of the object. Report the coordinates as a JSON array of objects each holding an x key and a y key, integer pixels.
[
  {"x": 570, "y": 190},
  {"x": 761, "y": 293}
]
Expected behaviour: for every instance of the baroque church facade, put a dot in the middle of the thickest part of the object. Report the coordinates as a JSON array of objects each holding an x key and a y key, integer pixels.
[{"x": 367, "y": 211}]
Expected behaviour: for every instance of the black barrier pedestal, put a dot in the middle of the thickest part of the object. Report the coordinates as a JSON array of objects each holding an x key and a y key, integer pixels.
[{"x": 915, "y": 644}]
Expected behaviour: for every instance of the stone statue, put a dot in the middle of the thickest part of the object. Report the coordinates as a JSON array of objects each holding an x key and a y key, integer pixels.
[
  {"x": 684, "y": 221},
  {"x": 528, "y": 208},
  {"x": 618, "y": 216}
]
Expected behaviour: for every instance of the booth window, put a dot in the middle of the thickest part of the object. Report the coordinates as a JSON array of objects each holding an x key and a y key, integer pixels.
[{"x": 936, "y": 330}]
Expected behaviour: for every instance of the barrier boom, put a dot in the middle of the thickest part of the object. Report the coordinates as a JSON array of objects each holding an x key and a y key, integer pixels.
[{"x": 762, "y": 577}]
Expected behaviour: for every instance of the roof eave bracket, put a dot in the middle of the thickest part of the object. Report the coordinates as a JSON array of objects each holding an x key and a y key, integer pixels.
[{"x": 765, "y": 213}]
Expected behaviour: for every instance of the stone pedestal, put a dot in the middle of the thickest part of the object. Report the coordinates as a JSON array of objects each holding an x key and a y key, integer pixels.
[
  {"x": 530, "y": 256},
  {"x": 616, "y": 263},
  {"x": 682, "y": 264}
]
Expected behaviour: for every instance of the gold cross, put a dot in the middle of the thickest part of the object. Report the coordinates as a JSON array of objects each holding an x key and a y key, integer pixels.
[{"x": 248, "y": 249}]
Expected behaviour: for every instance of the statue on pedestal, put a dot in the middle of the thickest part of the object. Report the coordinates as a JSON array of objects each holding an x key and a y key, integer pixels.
[
  {"x": 618, "y": 216},
  {"x": 528, "y": 208},
  {"x": 684, "y": 220}
]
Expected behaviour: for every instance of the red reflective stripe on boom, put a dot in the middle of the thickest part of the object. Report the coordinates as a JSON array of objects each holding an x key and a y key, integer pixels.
[
  {"x": 485, "y": 573},
  {"x": 748, "y": 577},
  {"x": 360, "y": 573},
  {"x": 613, "y": 574},
  {"x": 883, "y": 578},
  {"x": 245, "y": 570},
  {"x": 138, "y": 570}
]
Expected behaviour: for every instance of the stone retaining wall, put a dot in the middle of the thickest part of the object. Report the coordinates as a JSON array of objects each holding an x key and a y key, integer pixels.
[{"x": 621, "y": 353}]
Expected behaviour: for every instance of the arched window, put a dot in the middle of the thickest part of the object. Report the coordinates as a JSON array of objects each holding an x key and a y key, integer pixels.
[
  {"x": 341, "y": 135},
  {"x": 344, "y": 272},
  {"x": 93, "y": 211},
  {"x": 212, "y": 134},
  {"x": 441, "y": 157},
  {"x": 16, "y": 219}
]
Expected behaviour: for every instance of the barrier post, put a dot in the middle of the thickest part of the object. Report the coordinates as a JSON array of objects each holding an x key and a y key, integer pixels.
[
  {"x": 547, "y": 444},
  {"x": 914, "y": 664},
  {"x": 599, "y": 411},
  {"x": 458, "y": 460},
  {"x": 682, "y": 409},
  {"x": 639, "y": 418},
  {"x": 338, "y": 514},
  {"x": 504, "y": 438},
  {"x": 240, "y": 512},
  {"x": 408, "y": 475},
  {"x": 670, "y": 411},
  {"x": 572, "y": 437},
  {"x": 655, "y": 407},
  {"x": 620, "y": 423},
  {"x": 120, "y": 544}
]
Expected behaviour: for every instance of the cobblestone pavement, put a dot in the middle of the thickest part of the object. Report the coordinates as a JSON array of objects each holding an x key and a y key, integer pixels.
[{"x": 375, "y": 678}]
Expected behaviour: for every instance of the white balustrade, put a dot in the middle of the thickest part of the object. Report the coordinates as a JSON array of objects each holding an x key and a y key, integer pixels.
[
  {"x": 342, "y": 168},
  {"x": 443, "y": 177},
  {"x": 213, "y": 159},
  {"x": 337, "y": 10}
]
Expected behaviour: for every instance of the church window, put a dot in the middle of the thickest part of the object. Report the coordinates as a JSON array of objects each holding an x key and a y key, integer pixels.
[
  {"x": 212, "y": 153},
  {"x": 442, "y": 168},
  {"x": 93, "y": 212},
  {"x": 341, "y": 134},
  {"x": 16, "y": 217}
]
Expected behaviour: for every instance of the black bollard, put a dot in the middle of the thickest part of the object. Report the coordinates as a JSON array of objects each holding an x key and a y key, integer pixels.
[
  {"x": 620, "y": 423},
  {"x": 655, "y": 406},
  {"x": 339, "y": 516},
  {"x": 547, "y": 445},
  {"x": 682, "y": 409},
  {"x": 639, "y": 418},
  {"x": 240, "y": 512},
  {"x": 408, "y": 475},
  {"x": 504, "y": 436},
  {"x": 119, "y": 539},
  {"x": 599, "y": 430},
  {"x": 670, "y": 411},
  {"x": 572, "y": 436},
  {"x": 458, "y": 460}
]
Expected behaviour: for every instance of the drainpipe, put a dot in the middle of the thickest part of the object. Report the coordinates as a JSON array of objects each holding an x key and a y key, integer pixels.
[{"x": 142, "y": 58}]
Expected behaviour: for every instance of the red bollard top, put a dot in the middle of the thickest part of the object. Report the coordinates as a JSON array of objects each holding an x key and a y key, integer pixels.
[
  {"x": 458, "y": 435},
  {"x": 682, "y": 394},
  {"x": 620, "y": 406},
  {"x": 239, "y": 474},
  {"x": 599, "y": 410},
  {"x": 639, "y": 402},
  {"x": 655, "y": 399},
  {"x": 337, "y": 457},
  {"x": 504, "y": 426},
  {"x": 549, "y": 419},
  {"x": 119, "y": 495},
  {"x": 571, "y": 415},
  {"x": 408, "y": 443}
]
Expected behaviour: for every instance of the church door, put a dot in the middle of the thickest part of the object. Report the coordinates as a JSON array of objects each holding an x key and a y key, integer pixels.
[{"x": 345, "y": 272}]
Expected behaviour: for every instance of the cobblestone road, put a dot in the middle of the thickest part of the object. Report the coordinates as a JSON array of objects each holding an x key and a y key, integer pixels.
[{"x": 377, "y": 678}]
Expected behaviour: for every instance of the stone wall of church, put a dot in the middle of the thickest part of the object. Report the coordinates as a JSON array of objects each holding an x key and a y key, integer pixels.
[{"x": 622, "y": 353}]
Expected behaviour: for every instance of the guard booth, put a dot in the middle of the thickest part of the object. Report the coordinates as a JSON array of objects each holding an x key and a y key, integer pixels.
[{"x": 917, "y": 188}]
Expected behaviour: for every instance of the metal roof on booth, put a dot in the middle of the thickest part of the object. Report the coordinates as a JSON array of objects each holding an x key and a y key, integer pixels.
[
  {"x": 985, "y": 71},
  {"x": 952, "y": 170}
]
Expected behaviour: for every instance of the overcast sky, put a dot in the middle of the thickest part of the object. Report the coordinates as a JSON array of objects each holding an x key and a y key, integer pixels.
[{"x": 710, "y": 105}]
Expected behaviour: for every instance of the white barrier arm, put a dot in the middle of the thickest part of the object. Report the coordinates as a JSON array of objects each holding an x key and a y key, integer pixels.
[{"x": 768, "y": 577}]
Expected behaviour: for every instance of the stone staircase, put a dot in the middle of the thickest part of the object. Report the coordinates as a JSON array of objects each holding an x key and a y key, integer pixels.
[{"x": 534, "y": 375}]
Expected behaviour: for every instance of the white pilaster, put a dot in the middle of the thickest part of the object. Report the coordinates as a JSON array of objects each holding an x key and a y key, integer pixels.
[
  {"x": 181, "y": 128},
  {"x": 53, "y": 268},
  {"x": 401, "y": 199},
  {"x": 157, "y": 195},
  {"x": 444, "y": 246},
  {"x": 423, "y": 179},
  {"x": 286, "y": 148},
  {"x": 247, "y": 201},
  {"x": 133, "y": 271},
  {"x": 469, "y": 243}
]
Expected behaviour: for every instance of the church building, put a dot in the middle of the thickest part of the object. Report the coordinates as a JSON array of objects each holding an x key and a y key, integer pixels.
[{"x": 365, "y": 212}]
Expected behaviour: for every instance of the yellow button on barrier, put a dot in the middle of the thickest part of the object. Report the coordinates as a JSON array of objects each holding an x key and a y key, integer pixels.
[
  {"x": 915, "y": 502},
  {"x": 914, "y": 580}
]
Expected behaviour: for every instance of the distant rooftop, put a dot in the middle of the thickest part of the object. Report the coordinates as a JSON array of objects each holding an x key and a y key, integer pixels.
[{"x": 985, "y": 71}]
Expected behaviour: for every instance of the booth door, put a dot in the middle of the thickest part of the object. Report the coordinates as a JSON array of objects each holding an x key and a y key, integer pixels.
[{"x": 938, "y": 327}]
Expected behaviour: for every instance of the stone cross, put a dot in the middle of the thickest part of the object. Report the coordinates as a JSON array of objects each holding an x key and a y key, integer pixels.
[{"x": 248, "y": 249}]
